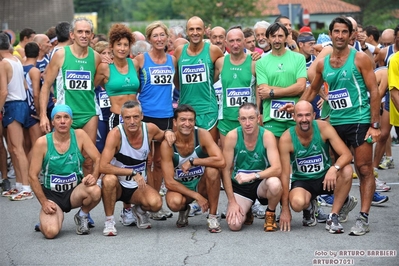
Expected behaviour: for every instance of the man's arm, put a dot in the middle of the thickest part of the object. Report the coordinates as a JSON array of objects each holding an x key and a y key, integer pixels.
[
  {"x": 218, "y": 69},
  {"x": 382, "y": 81},
  {"x": 89, "y": 147},
  {"x": 314, "y": 88},
  {"x": 52, "y": 72},
  {"x": 215, "y": 52},
  {"x": 34, "y": 75},
  {"x": 3, "y": 84},
  {"x": 285, "y": 149},
  {"x": 380, "y": 58},
  {"x": 168, "y": 172},
  {"x": 159, "y": 135},
  {"x": 235, "y": 213},
  {"x": 215, "y": 157},
  {"x": 102, "y": 75}
]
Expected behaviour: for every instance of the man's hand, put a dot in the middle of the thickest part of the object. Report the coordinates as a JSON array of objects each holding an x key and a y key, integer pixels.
[
  {"x": 288, "y": 107},
  {"x": 45, "y": 125},
  {"x": 255, "y": 56},
  {"x": 375, "y": 134},
  {"x": 203, "y": 203},
  {"x": 330, "y": 180},
  {"x": 285, "y": 220},
  {"x": 49, "y": 207},
  {"x": 264, "y": 92},
  {"x": 244, "y": 177},
  {"x": 139, "y": 180},
  {"x": 89, "y": 180},
  {"x": 186, "y": 166},
  {"x": 170, "y": 137},
  {"x": 234, "y": 214}
]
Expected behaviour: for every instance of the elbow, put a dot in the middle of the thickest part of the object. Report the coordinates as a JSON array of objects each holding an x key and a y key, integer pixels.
[{"x": 222, "y": 163}]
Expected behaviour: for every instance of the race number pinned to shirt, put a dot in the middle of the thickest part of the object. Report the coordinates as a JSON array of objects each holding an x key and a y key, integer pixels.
[
  {"x": 237, "y": 96},
  {"x": 62, "y": 183},
  {"x": 78, "y": 80},
  {"x": 339, "y": 99},
  {"x": 161, "y": 75},
  {"x": 311, "y": 164},
  {"x": 104, "y": 100},
  {"x": 139, "y": 168},
  {"x": 274, "y": 112},
  {"x": 193, "y": 74},
  {"x": 192, "y": 174}
]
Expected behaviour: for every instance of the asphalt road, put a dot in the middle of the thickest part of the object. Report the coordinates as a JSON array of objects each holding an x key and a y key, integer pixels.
[{"x": 165, "y": 244}]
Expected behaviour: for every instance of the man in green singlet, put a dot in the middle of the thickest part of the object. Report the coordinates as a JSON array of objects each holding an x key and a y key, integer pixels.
[
  {"x": 305, "y": 147},
  {"x": 191, "y": 169},
  {"x": 58, "y": 155},
  {"x": 252, "y": 169}
]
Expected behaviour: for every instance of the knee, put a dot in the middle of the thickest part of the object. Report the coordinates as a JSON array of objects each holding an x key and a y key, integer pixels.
[
  {"x": 235, "y": 227},
  {"x": 155, "y": 202},
  {"x": 49, "y": 232},
  {"x": 297, "y": 203},
  {"x": 109, "y": 181},
  {"x": 346, "y": 173},
  {"x": 274, "y": 186},
  {"x": 212, "y": 174},
  {"x": 175, "y": 203},
  {"x": 94, "y": 192},
  {"x": 365, "y": 170}
]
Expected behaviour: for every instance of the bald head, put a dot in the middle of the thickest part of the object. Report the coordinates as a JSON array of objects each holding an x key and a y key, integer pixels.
[
  {"x": 354, "y": 23},
  {"x": 39, "y": 38},
  {"x": 138, "y": 36},
  {"x": 44, "y": 43},
  {"x": 387, "y": 37},
  {"x": 303, "y": 106},
  {"x": 218, "y": 37},
  {"x": 195, "y": 19}
]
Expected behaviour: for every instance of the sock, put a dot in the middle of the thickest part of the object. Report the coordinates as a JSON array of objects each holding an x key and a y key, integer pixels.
[
  {"x": 109, "y": 218},
  {"x": 82, "y": 213},
  {"x": 26, "y": 188},
  {"x": 212, "y": 216},
  {"x": 18, "y": 186},
  {"x": 310, "y": 207},
  {"x": 388, "y": 157},
  {"x": 365, "y": 215},
  {"x": 268, "y": 210},
  {"x": 140, "y": 210}
]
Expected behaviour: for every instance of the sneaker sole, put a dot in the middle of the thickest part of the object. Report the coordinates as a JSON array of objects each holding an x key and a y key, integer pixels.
[
  {"x": 359, "y": 234},
  {"x": 376, "y": 203},
  {"x": 181, "y": 225},
  {"x": 110, "y": 234},
  {"x": 77, "y": 231},
  {"x": 214, "y": 230},
  {"x": 163, "y": 218}
]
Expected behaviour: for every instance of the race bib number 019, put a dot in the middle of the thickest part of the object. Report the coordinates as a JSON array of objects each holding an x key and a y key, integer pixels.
[
  {"x": 192, "y": 74},
  {"x": 274, "y": 112},
  {"x": 311, "y": 164},
  {"x": 161, "y": 75},
  {"x": 60, "y": 183},
  {"x": 104, "y": 100},
  {"x": 78, "y": 80},
  {"x": 237, "y": 96},
  {"x": 339, "y": 99},
  {"x": 192, "y": 174}
]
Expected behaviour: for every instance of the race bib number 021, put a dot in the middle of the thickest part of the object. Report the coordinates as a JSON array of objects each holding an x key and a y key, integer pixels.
[
  {"x": 192, "y": 74},
  {"x": 274, "y": 112},
  {"x": 161, "y": 75},
  {"x": 311, "y": 164},
  {"x": 62, "y": 183},
  {"x": 339, "y": 99},
  {"x": 78, "y": 80},
  {"x": 237, "y": 96}
]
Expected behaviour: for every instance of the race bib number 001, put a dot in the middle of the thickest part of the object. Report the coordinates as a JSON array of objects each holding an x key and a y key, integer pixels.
[
  {"x": 311, "y": 164},
  {"x": 237, "y": 96},
  {"x": 161, "y": 75},
  {"x": 274, "y": 112},
  {"x": 78, "y": 80},
  {"x": 61, "y": 183},
  {"x": 339, "y": 99},
  {"x": 192, "y": 74}
]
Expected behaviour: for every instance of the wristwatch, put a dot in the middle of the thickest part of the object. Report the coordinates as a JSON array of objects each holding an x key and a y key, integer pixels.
[
  {"x": 364, "y": 48},
  {"x": 134, "y": 173},
  {"x": 271, "y": 93},
  {"x": 337, "y": 167},
  {"x": 375, "y": 125},
  {"x": 191, "y": 160},
  {"x": 257, "y": 176}
]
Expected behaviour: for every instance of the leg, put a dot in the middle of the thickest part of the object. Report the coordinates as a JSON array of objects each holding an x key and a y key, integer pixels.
[
  {"x": 214, "y": 132},
  {"x": 342, "y": 188},
  {"x": 86, "y": 197},
  {"x": 147, "y": 198},
  {"x": 209, "y": 187},
  {"x": 245, "y": 205},
  {"x": 3, "y": 155},
  {"x": 50, "y": 224},
  {"x": 91, "y": 129},
  {"x": 34, "y": 134},
  {"x": 299, "y": 199},
  {"x": 381, "y": 144},
  {"x": 110, "y": 191},
  {"x": 272, "y": 190}
]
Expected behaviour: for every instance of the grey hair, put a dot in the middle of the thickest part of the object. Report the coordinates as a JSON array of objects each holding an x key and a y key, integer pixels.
[
  {"x": 73, "y": 23},
  {"x": 140, "y": 47},
  {"x": 178, "y": 30},
  {"x": 261, "y": 24},
  {"x": 131, "y": 104}
]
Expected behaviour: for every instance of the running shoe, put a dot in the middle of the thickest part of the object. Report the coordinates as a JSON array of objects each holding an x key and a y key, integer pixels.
[
  {"x": 91, "y": 221},
  {"x": 321, "y": 216},
  {"x": 380, "y": 186},
  {"x": 213, "y": 224},
  {"x": 378, "y": 199},
  {"x": 109, "y": 228},
  {"x": 387, "y": 163},
  {"x": 270, "y": 224},
  {"x": 346, "y": 208},
  {"x": 182, "y": 220},
  {"x": 159, "y": 216},
  {"x": 195, "y": 209},
  {"x": 361, "y": 227},
  {"x": 309, "y": 216},
  {"x": 326, "y": 200},
  {"x": 142, "y": 217},
  {"x": 258, "y": 210},
  {"x": 82, "y": 224},
  {"x": 127, "y": 218},
  {"x": 5, "y": 185},
  {"x": 332, "y": 225}
]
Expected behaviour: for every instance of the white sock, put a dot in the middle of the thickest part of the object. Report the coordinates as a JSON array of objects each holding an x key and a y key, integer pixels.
[
  {"x": 109, "y": 218},
  {"x": 82, "y": 213},
  {"x": 26, "y": 188},
  {"x": 140, "y": 210},
  {"x": 18, "y": 186}
]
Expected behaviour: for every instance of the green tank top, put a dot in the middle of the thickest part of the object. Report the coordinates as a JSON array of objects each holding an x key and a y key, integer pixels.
[
  {"x": 77, "y": 90},
  {"x": 246, "y": 161},
  {"x": 310, "y": 162},
  {"x": 62, "y": 172},
  {"x": 122, "y": 84},
  {"x": 238, "y": 86},
  {"x": 347, "y": 94},
  {"x": 196, "y": 81}
]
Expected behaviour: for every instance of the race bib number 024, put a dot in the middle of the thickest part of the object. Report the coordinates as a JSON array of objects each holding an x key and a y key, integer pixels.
[
  {"x": 192, "y": 74},
  {"x": 78, "y": 80}
]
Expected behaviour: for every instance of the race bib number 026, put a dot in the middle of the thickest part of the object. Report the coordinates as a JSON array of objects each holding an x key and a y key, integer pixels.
[
  {"x": 274, "y": 112},
  {"x": 78, "y": 80},
  {"x": 192, "y": 74}
]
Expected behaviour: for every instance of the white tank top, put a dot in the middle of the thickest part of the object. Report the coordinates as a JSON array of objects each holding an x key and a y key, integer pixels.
[
  {"x": 16, "y": 88},
  {"x": 129, "y": 157}
]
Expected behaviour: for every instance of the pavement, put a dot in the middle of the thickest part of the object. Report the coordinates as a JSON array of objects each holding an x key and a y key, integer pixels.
[{"x": 164, "y": 244}]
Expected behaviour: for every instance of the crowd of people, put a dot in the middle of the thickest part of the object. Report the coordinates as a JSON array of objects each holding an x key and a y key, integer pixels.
[{"x": 271, "y": 115}]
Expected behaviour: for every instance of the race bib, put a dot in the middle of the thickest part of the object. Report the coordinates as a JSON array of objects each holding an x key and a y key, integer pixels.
[
  {"x": 239, "y": 171},
  {"x": 311, "y": 164},
  {"x": 283, "y": 115},
  {"x": 237, "y": 96},
  {"x": 139, "y": 168},
  {"x": 104, "y": 100},
  {"x": 161, "y": 75},
  {"x": 78, "y": 80},
  {"x": 193, "y": 173},
  {"x": 60, "y": 183},
  {"x": 192, "y": 74},
  {"x": 339, "y": 99},
  {"x": 218, "y": 93}
]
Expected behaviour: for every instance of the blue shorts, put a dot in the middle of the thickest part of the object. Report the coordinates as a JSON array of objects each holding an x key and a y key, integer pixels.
[
  {"x": 16, "y": 110},
  {"x": 386, "y": 103},
  {"x": 102, "y": 132}
]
